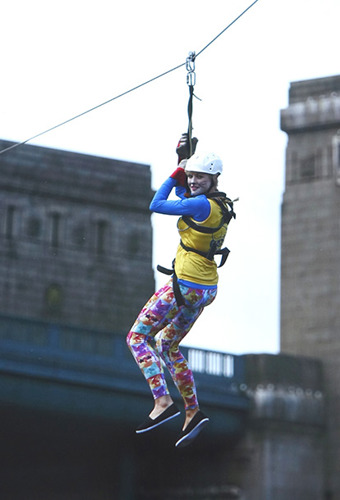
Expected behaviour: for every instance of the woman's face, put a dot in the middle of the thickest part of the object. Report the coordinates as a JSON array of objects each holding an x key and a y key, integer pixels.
[{"x": 199, "y": 183}]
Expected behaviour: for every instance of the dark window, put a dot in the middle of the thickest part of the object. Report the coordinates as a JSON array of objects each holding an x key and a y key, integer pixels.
[
  {"x": 9, "y": 223},
  {"x": 55, "y": 230},
  {"x": 101, "y": 235},
  {"x": 307, "y": 168},
  {"x": 53, "y": 300},
  {"x": 133, "y": 243}
]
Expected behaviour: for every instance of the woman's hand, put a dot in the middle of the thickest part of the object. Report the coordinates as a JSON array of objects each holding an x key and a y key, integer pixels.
[
  {"x": 179, "y": 175},
  {"x": 183, "y": 147}
]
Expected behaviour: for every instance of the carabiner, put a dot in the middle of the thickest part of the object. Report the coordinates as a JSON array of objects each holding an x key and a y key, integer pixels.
[
  {"x": 190, "y": 66},
  {"x": 191, "y": 79},
  {"x": 190, "y": 62}
]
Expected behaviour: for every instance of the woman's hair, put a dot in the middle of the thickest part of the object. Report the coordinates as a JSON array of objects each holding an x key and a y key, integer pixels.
[{"x": 215, "y": 180}]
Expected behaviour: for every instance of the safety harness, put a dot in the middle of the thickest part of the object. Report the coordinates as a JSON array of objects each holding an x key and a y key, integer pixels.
[{"x": 227, "y": 215}]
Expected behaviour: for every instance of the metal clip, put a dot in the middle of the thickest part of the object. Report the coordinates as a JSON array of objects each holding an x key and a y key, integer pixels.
[
  {"x": 191, "y": 79},
  {"x": 190, "y": 62},
  {"x": 190, "y": 66}
]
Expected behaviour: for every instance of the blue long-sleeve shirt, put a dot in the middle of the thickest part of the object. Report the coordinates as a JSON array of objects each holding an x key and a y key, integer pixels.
[{"x": 197, "y": 207}]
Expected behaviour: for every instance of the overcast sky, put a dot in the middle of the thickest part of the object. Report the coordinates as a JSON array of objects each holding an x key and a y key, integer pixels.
[{"x": 60, "y": 58}]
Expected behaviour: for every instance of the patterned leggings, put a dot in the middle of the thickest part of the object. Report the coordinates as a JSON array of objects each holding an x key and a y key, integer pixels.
[{"x": 162, "y": 316}]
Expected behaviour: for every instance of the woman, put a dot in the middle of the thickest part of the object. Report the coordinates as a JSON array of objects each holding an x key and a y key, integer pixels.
[{"x": 172, "y": 310}]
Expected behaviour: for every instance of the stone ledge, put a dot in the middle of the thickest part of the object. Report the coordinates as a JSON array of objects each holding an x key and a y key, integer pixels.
[
  {"x": 314, "y": 113},
  {"x": 286, "y": 388}
]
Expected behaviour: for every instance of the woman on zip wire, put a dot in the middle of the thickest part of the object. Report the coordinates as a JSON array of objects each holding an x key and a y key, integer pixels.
[{"x": 174, "y": 308}]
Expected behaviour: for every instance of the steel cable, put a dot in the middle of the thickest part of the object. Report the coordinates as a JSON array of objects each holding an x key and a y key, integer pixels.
[{"x": 126, "y": 92}]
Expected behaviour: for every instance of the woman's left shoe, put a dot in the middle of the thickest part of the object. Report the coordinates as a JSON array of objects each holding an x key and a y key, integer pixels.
[
  {"x": 195, "y": 426},
  {"x": 171, "y": 412}
]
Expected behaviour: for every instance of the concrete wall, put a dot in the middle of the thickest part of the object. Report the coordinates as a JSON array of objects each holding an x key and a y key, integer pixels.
[
  {"x": 75, "y": 237},
  {"x": 281, "y": 455},
  {"x": 310, "y": 248}
]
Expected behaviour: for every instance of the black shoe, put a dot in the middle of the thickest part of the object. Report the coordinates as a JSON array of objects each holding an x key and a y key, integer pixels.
[
  {"x": 166, "y": 415},
  {"x": 195, "y": 426}
]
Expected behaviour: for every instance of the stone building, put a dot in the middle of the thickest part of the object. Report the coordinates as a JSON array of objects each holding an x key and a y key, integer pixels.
[
  {"x": 75, "y": 237},
  {"x": 310, "y": 247}
]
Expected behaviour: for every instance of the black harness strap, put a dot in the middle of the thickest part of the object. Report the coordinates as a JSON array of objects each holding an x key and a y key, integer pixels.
[
  {"x": 191, "y": 80},
  {"x": 224, "y": 252},
  {"x": 191, "y": 93},
  {"x": 175, "y": 286},
  {"x": 227, "y": 215}
]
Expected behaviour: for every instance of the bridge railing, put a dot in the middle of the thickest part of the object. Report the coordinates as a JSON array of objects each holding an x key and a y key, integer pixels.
[
  {"x": 64, "y": 353},
  {"x": 211, "y": 363}
]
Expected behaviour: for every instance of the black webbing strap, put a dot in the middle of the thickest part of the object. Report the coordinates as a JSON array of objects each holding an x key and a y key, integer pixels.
[
  {"x": 191, "y": 94},
  {"x": 191, "y": 80},
  {"x": 202, "y": 229},
  {"x": 165, "y": 270},
  {"x": 175, "y": 286},
  {"x": 227, "y": 215},
  {"x": 224, "y": 252}
]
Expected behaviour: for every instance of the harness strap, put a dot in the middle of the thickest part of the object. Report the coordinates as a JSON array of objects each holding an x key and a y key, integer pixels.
[
  {"x": 175, "y": 286},
  {"x": 227, "y": 215},
  {"x": 224, "y": 252},
  {"x": 191, "y": 80}
]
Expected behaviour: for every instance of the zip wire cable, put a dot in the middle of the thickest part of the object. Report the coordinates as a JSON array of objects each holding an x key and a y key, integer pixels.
[
  {"x": 191, "y": 77},
  {"x": 127, "y": 91},
  {"x": 227, "y": 27},
  {"x": 89, "y": 110}
]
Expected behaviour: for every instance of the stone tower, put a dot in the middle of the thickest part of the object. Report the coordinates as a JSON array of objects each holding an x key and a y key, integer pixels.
[
  {"x": 75, "y": 237},
  {"x": 310, "y": 247}
]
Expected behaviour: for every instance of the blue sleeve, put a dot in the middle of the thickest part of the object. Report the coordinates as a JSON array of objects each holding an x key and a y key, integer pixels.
[
  {"x": 180, "y": 192},
  {"x": 197, "y": 207}
]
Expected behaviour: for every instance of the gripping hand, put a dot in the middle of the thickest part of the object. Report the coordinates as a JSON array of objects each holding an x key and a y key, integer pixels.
[{"x": 183, "y": 149}]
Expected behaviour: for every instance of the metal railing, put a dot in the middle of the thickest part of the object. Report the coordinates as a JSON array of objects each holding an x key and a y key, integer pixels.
[
  {"x": 68, "y": 355},
  {"x": 211, "y": 363},
  {"x": 40, "y": 344}
]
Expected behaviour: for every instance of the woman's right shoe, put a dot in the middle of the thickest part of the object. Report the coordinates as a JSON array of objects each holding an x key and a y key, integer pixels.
[
  {"x": 150, "y": 423},
  {"x": 195, "y": 426}
]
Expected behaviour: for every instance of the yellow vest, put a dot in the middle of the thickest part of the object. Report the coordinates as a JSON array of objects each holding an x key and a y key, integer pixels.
[{"x": 191, "y": 266}]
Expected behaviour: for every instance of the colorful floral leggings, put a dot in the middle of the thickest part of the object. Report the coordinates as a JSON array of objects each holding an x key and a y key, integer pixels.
[{"x": 162, "y": 316}]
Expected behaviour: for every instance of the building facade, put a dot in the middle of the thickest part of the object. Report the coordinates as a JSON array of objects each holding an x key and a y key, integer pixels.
[
  {"x": 75, "y": 237},
  {"x": 310, "y": 247}
]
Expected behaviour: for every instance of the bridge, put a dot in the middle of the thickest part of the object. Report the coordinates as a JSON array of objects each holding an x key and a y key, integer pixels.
[{"x": 71, "y": 397}]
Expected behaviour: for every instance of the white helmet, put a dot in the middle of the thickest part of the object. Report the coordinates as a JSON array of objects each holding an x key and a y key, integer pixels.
[{"x": 207, "y": 163}]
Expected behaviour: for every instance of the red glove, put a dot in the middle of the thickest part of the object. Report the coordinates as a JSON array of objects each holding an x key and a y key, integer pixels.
[
  {"x": 183, "y": 149},
  {"x": 179, "y": 176}
]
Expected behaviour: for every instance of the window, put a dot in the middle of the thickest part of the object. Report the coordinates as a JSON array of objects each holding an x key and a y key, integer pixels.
[
  {"x": 307, "y": 168},
  {"x": 133, "y": 243},
  {"x": 336, "y": 151},
  {"x": 101, "y": 236},
  {"x": 336, "y": 156},
  {"x": 53, "y": 300},
  {"x": 55, "y": 230},
  {"x": 9, "y": 222}
]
